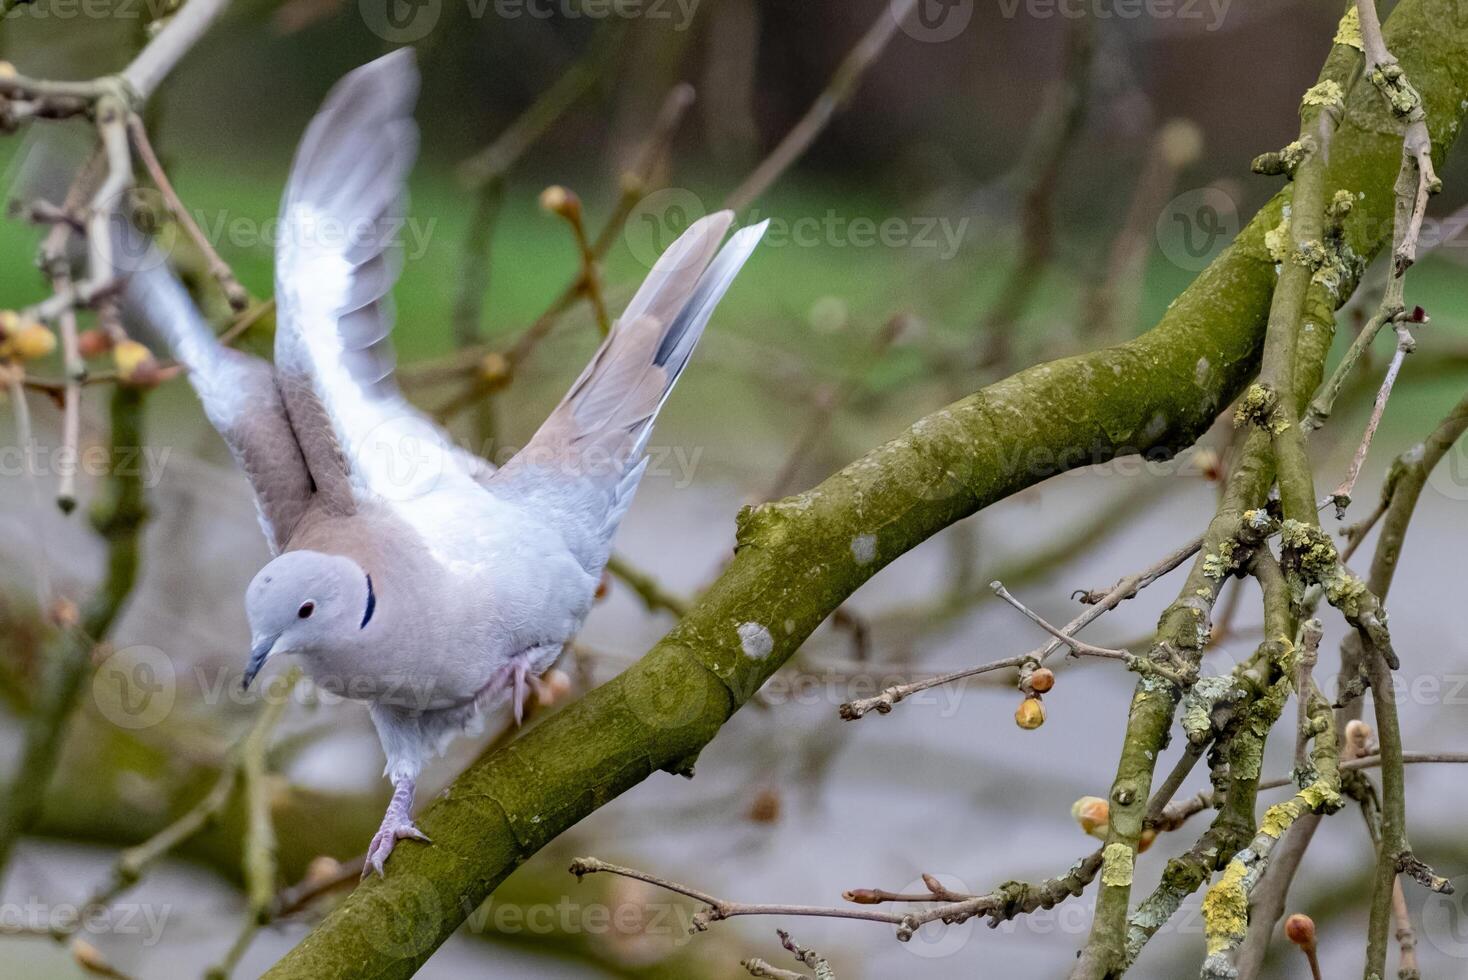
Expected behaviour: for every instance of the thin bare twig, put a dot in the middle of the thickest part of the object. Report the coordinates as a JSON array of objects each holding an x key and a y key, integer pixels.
[
  {"x": 1341, "y": 496},
  {"x": 1097, "y": 604},
  {"x": 842, "y": 86},
  {"x": 1077, "y": 647},
  {"x": 236, "y": 294}
]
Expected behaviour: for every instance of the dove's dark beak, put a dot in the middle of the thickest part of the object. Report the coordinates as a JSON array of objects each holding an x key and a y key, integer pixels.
[{"x": 258, "y": 654}]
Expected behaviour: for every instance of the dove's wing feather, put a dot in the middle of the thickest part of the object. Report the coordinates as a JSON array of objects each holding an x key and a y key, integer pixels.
[
  {"x": 582, "y": 467},
  {"x": 238, "y": 391},
  {"x": 335, "y": 267}
]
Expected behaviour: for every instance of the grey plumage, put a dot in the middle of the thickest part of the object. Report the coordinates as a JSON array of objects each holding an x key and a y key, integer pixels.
[{"x": 474, "y": 579}]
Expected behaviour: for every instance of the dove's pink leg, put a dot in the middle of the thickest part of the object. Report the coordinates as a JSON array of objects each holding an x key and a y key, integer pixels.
[
  {"x": 518, "y": 679},
  {"x": 520, "y": 667},
  {"x": 397, "y": 824}
]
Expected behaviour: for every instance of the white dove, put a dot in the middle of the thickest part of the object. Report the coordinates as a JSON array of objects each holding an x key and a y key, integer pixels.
[{"x": 409, "y": 573}]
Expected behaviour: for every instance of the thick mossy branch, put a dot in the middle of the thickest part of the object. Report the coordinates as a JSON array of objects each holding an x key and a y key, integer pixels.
[{"x": 799, "y": 559}]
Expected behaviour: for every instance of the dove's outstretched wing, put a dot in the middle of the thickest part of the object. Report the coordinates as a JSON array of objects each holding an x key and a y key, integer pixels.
[
  {"x": 582, "y": 467},
  {"x": 337, "y": 259},
  {"x": 237, "y": 391}
]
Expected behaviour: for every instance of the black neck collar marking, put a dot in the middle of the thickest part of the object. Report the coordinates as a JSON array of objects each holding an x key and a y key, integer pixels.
[{"x": 371, "y": 604}]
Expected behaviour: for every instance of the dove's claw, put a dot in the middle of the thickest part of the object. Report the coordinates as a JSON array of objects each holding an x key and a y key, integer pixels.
[
  {"x": 397, "y": 824},
  {"x": 385, "y": 840}
]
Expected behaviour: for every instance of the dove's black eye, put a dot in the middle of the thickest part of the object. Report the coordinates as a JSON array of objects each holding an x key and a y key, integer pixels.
[{"x": 307, "y": 608}]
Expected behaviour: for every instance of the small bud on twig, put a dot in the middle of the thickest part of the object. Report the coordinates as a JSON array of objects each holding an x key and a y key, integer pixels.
[
  {"x": 554, "y": 687},
  {"x": 1358, "y": 738},
  {"x": 1030, "y": 714},
  {"x": 559, "y": 200},
  {"x": 494, "y": 369},
  {"x": 1042, "y": 680},
  {"x": 93, "y": 342},
  {"x": 90, "y": 959},
  {"x": 765, "y": 807},
  {"x": 135, "y": 363},
  {"x": 1300, "y": 930},
  {"x": 30, "y": 342},
  {"x": 64, "y": 613},
  {"x": 1093, "y": 814}
]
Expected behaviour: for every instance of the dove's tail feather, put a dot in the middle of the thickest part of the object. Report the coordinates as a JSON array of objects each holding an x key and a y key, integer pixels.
[{"x": 595, "y": 438}]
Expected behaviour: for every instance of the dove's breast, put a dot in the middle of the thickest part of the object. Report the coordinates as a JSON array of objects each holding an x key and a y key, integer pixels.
[{"x": 503, "y": 582}]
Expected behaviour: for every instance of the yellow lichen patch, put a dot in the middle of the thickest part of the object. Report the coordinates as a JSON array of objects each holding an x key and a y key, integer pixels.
[
  {"x": 1326, "y": 93},
  {"x": 1312, "y": 255},
  {"x": 1258, "y": 406},
  {"x": 1348, "y": 32},
  {"x": 1277, "y": 239},
  {"x": 1116, "y": 866},
  {"x": 1310, "y": 548},
  {"x": 1344, "y": 591},
  {"x": 1320, "y": 796},
  {"x": 1277, "y": 819},
  {"x": 1226, "y": 909}
]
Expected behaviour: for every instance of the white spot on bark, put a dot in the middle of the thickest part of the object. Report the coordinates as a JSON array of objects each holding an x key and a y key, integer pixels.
[
  {"x": 755, "y": 641},
  {"x": 1200, "y": 373},
  {"x": 864, "y": 548}
]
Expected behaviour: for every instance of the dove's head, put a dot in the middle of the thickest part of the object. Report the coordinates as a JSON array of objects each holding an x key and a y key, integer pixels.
[{"x": 306, "y": 602}]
